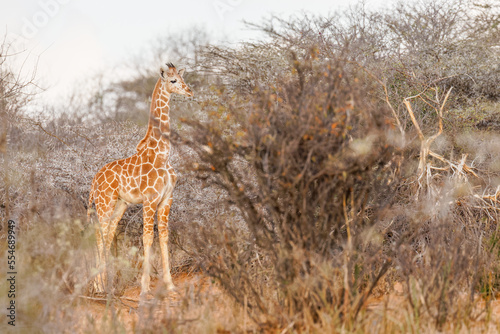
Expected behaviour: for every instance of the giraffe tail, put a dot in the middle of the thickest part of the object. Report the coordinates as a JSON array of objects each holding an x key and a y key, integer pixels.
[{"x": 90, "y": 210}]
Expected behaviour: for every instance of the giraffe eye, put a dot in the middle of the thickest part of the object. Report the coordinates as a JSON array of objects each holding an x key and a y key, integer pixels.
[{"x": 173, "y": 81}]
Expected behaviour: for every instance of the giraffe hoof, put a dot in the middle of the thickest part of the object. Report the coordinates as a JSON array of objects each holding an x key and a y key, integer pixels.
[
  {"x": 168, "y": 283},
  {"x": 99, "y": 292},
  {"x": 98, "y": 287}
]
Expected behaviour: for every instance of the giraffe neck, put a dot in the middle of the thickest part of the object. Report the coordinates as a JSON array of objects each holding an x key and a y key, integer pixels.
[{"x": 158, "y": 134}]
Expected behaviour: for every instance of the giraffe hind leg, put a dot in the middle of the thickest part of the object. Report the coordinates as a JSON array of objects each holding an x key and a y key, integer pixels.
[
  {"x": 119, "y": 210},
  {"x": 105, "y": 207},
  {"x": 163, "y": 212},
  {"x": 149, "y": 210},
  {"x": 99, "y": 280}
]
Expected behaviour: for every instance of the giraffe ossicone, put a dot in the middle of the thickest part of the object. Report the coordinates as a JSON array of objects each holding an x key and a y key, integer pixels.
[{"x": 146, "y": 177}]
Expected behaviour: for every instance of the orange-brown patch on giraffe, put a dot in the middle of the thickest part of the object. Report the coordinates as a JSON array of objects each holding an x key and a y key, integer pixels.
[
  {"x": 157, "y": 133},
  {"x": 134, "y": 192},
  {"x": 153, "y": 175},
  {"x": 150, "y": 182},
  {"x": 114, "y": 183},
  {"x": 147, "y": 168}
]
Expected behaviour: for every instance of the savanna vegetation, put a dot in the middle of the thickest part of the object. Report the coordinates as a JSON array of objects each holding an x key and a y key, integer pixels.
[{"x": 319, "y": 168}]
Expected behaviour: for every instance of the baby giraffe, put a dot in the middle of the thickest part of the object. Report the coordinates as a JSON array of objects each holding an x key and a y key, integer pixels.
[{"x": 146, "y": 177}]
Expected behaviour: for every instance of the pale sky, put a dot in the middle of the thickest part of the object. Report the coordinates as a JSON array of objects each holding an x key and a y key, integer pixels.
[{"x": 72, "y": 40}]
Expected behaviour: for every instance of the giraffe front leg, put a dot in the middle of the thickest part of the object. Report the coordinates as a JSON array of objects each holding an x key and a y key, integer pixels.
[
  {"x": 163, "y": 212},
  {"x": 147, "y": 239}
]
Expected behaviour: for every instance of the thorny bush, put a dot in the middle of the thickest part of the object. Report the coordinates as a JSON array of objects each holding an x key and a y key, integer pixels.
[{"x": 309, "y": 163}]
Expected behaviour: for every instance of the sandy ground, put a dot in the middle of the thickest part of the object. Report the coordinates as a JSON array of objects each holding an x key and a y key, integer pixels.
[
  {"x": 195, "y": 294},
  {"x": 192, "y": 301}
]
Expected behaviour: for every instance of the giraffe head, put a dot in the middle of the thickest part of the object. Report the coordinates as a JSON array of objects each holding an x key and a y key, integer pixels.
[{"x": 174, "y": 81}]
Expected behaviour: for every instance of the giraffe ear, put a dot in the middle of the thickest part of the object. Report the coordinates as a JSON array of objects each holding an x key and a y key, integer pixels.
[
  {"x": 181, "y": 72},
  {"x": 162, "y": 72}
]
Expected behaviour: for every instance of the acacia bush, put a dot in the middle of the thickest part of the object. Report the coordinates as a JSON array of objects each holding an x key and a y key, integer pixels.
[
  {"x": 315, "y": 140},
  {"x": 309, "y": 166}
]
